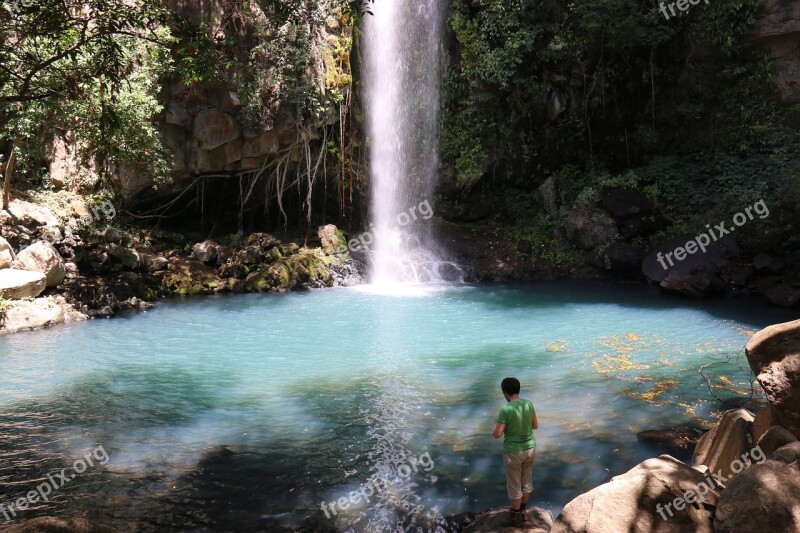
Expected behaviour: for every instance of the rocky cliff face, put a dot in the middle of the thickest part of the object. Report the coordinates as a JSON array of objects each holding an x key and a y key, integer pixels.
[
  {"x": 778, "y": 28},
  {"x": 274, "y": 105}
]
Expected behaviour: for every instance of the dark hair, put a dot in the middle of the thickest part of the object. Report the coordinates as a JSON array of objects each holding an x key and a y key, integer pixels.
[{"x": 510, "y": 386}]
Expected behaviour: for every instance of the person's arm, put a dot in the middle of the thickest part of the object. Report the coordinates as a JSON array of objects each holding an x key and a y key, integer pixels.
[
  {"x": 535, "y": 421},
  {"x": 499, "y": 428}
]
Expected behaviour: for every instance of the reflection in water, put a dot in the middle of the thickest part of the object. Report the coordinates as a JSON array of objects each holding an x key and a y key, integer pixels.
[{"x": 247, "y": 413}]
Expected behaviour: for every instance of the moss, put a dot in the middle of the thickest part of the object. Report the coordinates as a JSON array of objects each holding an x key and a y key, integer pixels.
[{"x": 273, "y": 255}]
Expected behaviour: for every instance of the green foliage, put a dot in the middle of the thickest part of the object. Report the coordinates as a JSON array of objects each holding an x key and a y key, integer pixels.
[
  {"x": 90, "y": 69},
  {"x": 195, "y": 56},
  {"x": 632, "y": 84},
  {"x": 282, "y": 66}
]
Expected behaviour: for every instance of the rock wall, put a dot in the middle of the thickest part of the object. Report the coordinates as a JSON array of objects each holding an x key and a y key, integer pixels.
[{"x": 778, "y": 29}]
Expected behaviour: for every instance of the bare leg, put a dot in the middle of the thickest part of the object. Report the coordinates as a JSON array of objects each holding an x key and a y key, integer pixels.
[{"x": 516, "y": 503}]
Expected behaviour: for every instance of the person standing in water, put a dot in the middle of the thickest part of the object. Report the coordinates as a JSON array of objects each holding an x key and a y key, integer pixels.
[{"x": 517, "y": 420}]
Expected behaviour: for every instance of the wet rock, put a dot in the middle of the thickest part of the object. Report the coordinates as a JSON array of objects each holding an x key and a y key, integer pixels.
[
  {"x": 539, "y": 521},
  {"x": 17, "y": 284},
  {"x": 774, "y": 356},
  {"x": 42, "y": 257},
  {"x": 629, "y": 502},
  {"x": 765, "y": 497},
  {"x": 727, "y": 442}
]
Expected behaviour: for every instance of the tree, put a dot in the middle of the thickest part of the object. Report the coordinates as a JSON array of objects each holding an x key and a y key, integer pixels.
[{"x": 58, "y": 52}]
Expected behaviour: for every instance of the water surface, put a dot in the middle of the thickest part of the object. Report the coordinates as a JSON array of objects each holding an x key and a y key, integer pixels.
[{"x": 246, "y": 413}]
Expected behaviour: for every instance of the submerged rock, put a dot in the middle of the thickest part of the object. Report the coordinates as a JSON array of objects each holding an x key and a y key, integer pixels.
[
  {"x": 677, "y": 439},
  {"x": 50, "y": 524},
  {"x": 539, "y": 521}
]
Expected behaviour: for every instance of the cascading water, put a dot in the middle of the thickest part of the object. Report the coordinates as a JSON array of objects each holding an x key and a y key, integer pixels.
[{"x": 402, "y": 77}]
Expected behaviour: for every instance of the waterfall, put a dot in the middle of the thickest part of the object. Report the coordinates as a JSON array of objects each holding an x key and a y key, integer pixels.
[{"x": 402, "y": 76}]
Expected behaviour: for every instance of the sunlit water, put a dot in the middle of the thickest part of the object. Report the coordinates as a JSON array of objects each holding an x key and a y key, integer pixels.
[{"x": 247, "y": 413}]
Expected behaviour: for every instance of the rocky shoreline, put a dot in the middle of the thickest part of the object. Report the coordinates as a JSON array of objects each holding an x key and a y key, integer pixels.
[{"x": 51, "y": 274}]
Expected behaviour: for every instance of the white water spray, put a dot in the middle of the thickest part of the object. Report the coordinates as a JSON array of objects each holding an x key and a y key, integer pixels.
[{"x": 402, "y": 77}]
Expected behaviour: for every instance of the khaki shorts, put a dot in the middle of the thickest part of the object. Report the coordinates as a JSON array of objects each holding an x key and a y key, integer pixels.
[{"x": 519, "y": 472}]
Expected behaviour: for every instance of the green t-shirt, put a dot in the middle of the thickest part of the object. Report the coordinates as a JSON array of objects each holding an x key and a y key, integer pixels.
[{"x": 517, "y": 416}]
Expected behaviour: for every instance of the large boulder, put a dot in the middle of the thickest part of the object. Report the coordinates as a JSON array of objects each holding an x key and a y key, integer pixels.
[
  {"x": 7, "y": 255},
  {"x": 31, "y": 215},
  {"x": 726, "y": 443},
  {"x": 205, "y": 251},
  {"x": 774, "y": 356},
  {"x": 651, "y": 496},
  {"x": 17, "y": 284},
  {"x": 39, "y": 313},
  {"x": 765, "y": 497},
  {"x": 42, "y": 257}
]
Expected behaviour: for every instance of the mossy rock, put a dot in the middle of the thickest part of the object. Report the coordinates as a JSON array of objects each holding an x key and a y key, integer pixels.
[
  {"x": 273, "y": 255},
  {"x": 289, "y": 249},
  {"x": 190, "y": 277}
]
